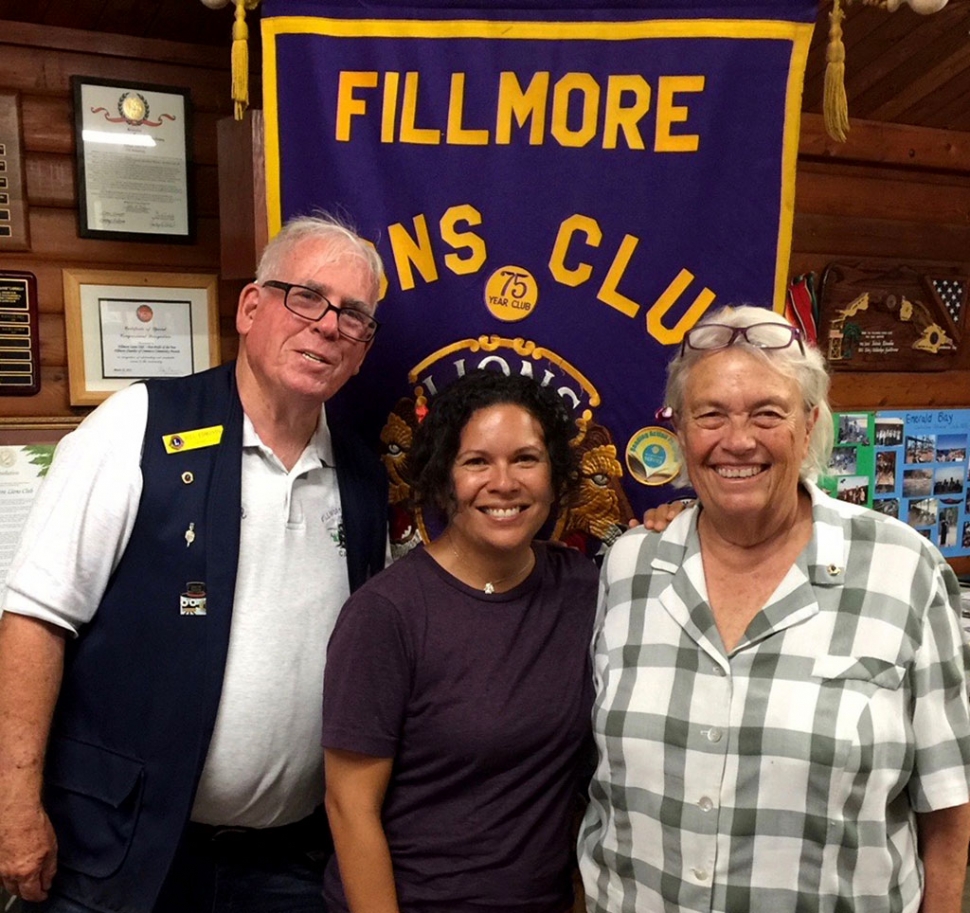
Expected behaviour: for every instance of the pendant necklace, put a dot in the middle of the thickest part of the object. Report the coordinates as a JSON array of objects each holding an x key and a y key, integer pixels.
[{"x": 490, "y": 585}]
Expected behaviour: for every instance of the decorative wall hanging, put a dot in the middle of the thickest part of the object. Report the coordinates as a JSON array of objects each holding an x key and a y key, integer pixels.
[
  {"x": 557, "y": 190},
  {"x": 835, "y": 107},
  {"x": 901, "y": 319},
  {"x": 14, "y": 228},
  {"x": 19, "y": 334}
]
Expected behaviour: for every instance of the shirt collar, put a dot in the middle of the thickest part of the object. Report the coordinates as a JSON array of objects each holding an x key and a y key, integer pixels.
[
  {"x": 320, "y": 444},
  {"x": 824, "y": 555},
  {"x": 827, "y": 551}
]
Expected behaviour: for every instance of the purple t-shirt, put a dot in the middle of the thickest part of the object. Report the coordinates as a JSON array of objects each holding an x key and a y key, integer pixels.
[{"x": 484, "y": 703}]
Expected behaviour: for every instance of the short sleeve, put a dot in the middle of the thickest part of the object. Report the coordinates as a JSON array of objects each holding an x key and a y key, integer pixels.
[
  {"x": 80, "y": 522},
  {"x": 368, "y": 677}
]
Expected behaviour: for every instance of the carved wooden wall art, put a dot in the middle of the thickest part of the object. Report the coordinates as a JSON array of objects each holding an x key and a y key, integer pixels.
[{"x": 901, "y": 319}]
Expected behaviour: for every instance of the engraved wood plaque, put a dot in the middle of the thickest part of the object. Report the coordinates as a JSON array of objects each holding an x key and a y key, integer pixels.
[
  {"x": 19, "y": 342},
  {"x": 899, "y": 319},
  {"x": 13, "y": 198}
]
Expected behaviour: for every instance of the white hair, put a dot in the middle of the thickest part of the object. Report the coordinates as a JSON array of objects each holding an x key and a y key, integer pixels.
[
  {"x": 807, "y": 369},
  {"x": 325, "y": 227}
]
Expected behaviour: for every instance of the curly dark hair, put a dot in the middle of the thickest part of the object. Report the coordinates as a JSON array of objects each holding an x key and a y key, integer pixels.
[{"x": 438, "y": 437}]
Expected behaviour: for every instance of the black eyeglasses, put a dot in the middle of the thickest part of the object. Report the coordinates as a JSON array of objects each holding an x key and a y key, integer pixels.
[
  {"x": 759, "y": 335},
  {"x": 311, "y": 305}
]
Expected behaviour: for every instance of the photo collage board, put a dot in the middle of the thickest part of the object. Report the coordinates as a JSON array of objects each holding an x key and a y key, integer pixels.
[{"x": 909, "y": 464}]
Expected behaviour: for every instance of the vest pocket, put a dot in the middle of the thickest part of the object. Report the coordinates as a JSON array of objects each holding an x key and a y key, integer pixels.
[{"x": 93, "y": 797}]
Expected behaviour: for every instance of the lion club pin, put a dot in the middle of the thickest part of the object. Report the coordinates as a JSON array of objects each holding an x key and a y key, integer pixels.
[{"x": 192, "y": 601}]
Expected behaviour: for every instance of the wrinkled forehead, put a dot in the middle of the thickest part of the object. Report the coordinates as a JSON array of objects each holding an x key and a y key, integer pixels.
[
  {"x": 313, "y": 258},
  {"x": 707, "y": 376}
]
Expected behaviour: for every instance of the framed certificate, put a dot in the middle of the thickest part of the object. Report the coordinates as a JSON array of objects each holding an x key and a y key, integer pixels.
[
  {"x": 26, "y": 451},
  {"x": 123, "y": 327},
  {"x": 133, "y": 161}
]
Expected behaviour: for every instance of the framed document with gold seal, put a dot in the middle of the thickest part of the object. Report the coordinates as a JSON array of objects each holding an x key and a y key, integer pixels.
[{"x": 134, "y": 157}]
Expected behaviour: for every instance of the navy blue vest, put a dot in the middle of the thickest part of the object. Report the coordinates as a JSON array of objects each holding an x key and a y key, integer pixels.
[{"x": 142, "y": 683}]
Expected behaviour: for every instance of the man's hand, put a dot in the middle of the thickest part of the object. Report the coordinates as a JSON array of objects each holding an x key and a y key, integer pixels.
[
  {"x": 659, "y": 518},
  {"x": 28, "y": 852}
]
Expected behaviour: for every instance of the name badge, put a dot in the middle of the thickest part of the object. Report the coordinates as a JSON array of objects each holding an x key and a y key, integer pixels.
[{"x": 192, "y": 440}]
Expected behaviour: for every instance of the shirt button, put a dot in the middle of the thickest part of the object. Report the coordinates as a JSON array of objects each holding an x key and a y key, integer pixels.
[
  {"x": 714, "y": 734},
  {"x": 705, "y": 804},
  {"x": 700, "y": 874},
  {"x": 719, "y": 671}
]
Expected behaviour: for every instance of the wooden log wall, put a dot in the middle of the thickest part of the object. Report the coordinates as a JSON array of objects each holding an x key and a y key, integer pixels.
[
  {"x": 37, "y": 62},
  {"x": 896, "y": 195}
]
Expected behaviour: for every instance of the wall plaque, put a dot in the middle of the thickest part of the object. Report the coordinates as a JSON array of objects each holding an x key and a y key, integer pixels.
[
  {"x": 19, "y": 341},
  {"x": 899, "y": 319},
  {"x": 134, "y": 161},
  {"x": 13, "y": 198}
]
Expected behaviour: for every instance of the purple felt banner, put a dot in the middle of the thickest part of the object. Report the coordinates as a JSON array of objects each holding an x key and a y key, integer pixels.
[{"x": 551, "y": 193}]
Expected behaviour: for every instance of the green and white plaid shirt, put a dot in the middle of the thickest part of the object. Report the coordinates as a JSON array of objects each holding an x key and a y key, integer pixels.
[{"x": 785, "y": 775}]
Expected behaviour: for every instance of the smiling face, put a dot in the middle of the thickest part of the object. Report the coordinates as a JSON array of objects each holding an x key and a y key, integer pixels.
[
  {"x": 501, "y": 481},
  {"x": 294, "y": 358},
  {"x": 744, "y": 432}
]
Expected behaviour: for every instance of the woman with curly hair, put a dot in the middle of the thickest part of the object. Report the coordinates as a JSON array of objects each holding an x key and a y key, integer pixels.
[{"x": 458, "y": 691}]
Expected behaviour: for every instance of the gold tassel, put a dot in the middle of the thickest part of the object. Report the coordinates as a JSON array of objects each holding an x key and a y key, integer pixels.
[
  {"x": 835, "y": 107},
  {"x": 240, "y": 61}
]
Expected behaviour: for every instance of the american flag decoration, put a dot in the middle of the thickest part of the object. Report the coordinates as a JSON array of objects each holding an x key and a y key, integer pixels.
[{"x": 953, "y": 294}]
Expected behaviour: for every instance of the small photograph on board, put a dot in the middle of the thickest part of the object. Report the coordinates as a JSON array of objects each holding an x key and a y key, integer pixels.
[
  {"x": 948, "y": 481},
  {"x": 885, "y": 471},
  {"x": 951, "y": 448},
  {"x": 923, "y": 512},
  {"x": 966, "y": 535},
  {"x": 887, "y": 506},
  {"x": 920, "y": 448},
  {"x": 853, "y": 429},
  {"x": 843, "y": 461},
  {"x": 854, "y": 489},
  {"x": 948, "y": 527},
  {"x": 917, "y": 482},
  {"x": 889, "y": 432}
]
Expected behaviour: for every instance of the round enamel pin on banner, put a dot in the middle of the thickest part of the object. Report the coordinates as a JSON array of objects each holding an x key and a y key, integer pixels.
[{"x": 651, "y": 456}]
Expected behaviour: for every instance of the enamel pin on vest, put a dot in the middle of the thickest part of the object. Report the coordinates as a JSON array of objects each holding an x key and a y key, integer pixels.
[{"x": 192, "y": 601}]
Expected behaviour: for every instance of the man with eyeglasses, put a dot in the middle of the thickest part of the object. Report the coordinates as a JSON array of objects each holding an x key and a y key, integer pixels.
[{"x": 166, "y": 617}]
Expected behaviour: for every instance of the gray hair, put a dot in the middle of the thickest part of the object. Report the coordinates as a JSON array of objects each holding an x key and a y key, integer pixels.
[
  {"x": 806, "y": 370},
  {"x": 322, "y": 226}
]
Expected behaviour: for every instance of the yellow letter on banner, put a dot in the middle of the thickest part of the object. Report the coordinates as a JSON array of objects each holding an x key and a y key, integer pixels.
[
  {"x": 528, "y": 105},
  {"x": 409, "y": 132},
  {"x": 618, "y": 117},
  {"x": 347, "y": 105},
  {"x": 389, "y": 111},
  {"x": 575, "y": 82},
  {"x": 668, "y": 113},
  {"x": 457, "y": 239},
  {"x": 608, "y": 293},
  {"x": 557, "y": 262},
  {"x": 408, "y": 250},
  {"x": 457, "y": 135},
  {"x": 666, "y": 301}
]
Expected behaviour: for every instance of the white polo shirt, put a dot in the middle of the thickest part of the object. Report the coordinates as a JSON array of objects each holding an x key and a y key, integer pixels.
[{"x": 265, "y": 763}]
